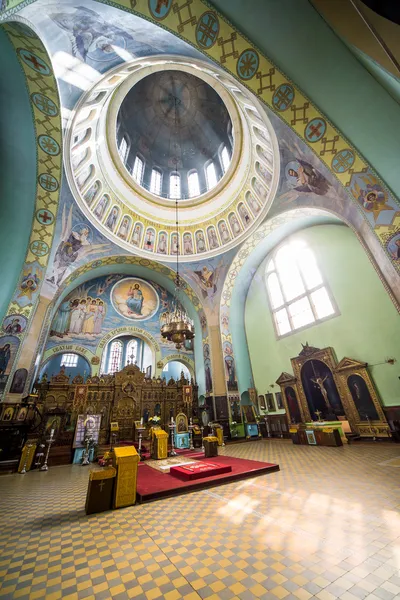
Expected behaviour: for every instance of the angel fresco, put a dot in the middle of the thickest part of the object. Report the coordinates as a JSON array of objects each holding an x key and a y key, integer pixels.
[
  {"x": 90, "y": 35},
  {"x": 303, "y": 177},
  {"x": 370, "y": 195},
  {"x": 75, "y": 244}
]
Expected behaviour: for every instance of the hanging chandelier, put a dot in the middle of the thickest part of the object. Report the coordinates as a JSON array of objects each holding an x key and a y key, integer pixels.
[{"x": 177, "y": 327}]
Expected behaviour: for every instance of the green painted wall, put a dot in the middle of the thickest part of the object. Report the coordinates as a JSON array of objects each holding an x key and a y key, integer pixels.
[
  {"x": 367, "y": 329},
  {"x": 17, "y": 168},
  {"x": 298, "y": 40}
]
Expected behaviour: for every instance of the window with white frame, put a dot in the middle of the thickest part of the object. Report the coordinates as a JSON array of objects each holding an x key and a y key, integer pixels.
[
  {"x": 297, "y": 293},
  {"x": 155, "y": 182},
  {"x": 69, "y": 360},
  {"x": 225, "y": 159},
  {"x": 211, "y": 176},
  {"x": 115, "y": 357},
  {"x": 131, "y": 352},
  {"x": 193, "y": 184},
  {"x": 174, "y": 185},
  {"x": 138, "y": 168},
  {"x": 123, "y": 148}
]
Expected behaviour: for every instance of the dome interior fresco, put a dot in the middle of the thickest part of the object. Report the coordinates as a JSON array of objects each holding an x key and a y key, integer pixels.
[{"x": 175, "y": 122}]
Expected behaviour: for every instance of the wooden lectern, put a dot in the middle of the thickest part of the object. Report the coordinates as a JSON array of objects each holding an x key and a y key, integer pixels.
[{"x": 126, "y": 461}]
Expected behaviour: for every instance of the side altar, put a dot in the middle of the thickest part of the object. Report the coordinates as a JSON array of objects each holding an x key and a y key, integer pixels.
[
  {"x": 324, "y": 393},
  {"x": 127, "y": 398}
]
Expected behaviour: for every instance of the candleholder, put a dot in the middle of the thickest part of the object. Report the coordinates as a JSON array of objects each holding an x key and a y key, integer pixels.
[
  {"x": 86, "y": 453},
  {"x": 202, "y": 439},
  {"x": 372, "y": 429},
  {"x": 191, "y": 446},
  {"x": 39, "y": 457},
  {"x": 171, "y": 427},
  {"x": 140, "y": 434},
  {"x": 45, "y": 467}
]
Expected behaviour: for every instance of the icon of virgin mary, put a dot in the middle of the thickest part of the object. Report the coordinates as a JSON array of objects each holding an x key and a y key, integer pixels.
[{"x": 134, "y": 301}]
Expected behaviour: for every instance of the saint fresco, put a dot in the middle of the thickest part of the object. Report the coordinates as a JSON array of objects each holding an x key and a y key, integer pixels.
[{"x": 134, "y": 299}]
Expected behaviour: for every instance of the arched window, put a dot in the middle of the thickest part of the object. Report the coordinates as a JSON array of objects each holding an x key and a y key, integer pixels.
[
  {"x": 131, "y": 352},
  {"x": 155, "y": 182},
  {"x": 115, "y": 357},
  {"x": 138, "y": 168},
  {"x": 211, "y": 175},
  {"x": 297, "y": 293},
  {"x": 225, "y": 159},
  {"x": 123, "y": 148},
  {"x": 175, "y": 185},
  {"x": 193, "y": 184},
  {"x": 69, "y": 360}
]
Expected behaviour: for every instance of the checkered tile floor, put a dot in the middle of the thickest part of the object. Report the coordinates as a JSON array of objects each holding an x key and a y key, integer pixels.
[{"x": 326, "y": 526}]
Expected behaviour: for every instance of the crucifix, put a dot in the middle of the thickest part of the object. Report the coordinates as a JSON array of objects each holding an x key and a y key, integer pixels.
[{"x": 318, "y": 413}]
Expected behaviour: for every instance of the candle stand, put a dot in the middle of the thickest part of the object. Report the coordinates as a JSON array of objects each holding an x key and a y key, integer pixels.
[
  {"x": 44, "y": 467},
  {"x": 140, "y": 431},
  {"x": 191, "y": 447},
  {"x": 171, "y": 427}
]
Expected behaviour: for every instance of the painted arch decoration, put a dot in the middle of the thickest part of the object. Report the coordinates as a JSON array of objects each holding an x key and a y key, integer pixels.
[
  {"x": 204, "y": 28},
  {"x": 82, "y": 275},
  {"x": 46, "y": 112}
]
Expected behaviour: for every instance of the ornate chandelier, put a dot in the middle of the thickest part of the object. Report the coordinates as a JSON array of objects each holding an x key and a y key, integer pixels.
[{"x": 177, "y": 327}]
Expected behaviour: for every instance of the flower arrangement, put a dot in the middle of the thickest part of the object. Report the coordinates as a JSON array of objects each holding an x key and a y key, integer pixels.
[{"x": 154, "y": 420}]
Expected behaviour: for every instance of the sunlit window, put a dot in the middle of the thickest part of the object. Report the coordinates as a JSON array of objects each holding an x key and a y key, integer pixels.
[
  {"x": 155, "y": 182},
  {"x": 211, "y": 176},
  {"x": 225, "y": 159},
  {"x": 138, "y": 168},
  {"x": 297, "y": 293},
  {"x": 175, "y": 185},
  {"x": 69, "y": 360},
  {"x": 115, "y": 357},
  {"x": 123, "y": 149},
  {"x": 193, "y": 184},
  {"x": 131, "y": 352}
]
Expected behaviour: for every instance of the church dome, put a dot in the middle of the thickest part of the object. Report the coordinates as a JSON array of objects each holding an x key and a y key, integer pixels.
[
  {"x": 152, "y": 132},
  {"x": 176, "y": 124}
]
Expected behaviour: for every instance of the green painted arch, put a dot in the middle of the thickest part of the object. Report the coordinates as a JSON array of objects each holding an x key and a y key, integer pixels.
[
  {"x": 17, "y": 185},
  {"x": 300, "y": 42},
  {"x": 34, "y": 239},
  {"x": 241, "y": 273},
  {"x": 149, "y": 270}
]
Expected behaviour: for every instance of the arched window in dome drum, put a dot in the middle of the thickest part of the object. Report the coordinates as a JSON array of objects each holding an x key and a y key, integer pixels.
[
  {"x": 115, "y": 357},
  {"x": 225, "y": 159},
  {"x": 193, "y": 184},
  {"x": 174, "y": 185},
  {"x": 138, "y": 169},
  {"x": 155, "y": 182},
  {"x": 124, "y": 148},
  {"x": 211, "y": 175}
]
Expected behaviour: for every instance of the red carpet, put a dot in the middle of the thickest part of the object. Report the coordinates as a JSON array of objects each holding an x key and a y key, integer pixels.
[{"x": 153, "y": 484}]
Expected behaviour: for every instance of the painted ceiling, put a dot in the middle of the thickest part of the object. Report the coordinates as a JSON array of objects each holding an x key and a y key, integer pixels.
[
  {"x": 88, "y": 39},
  {"x": 175, "y": 121}
]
